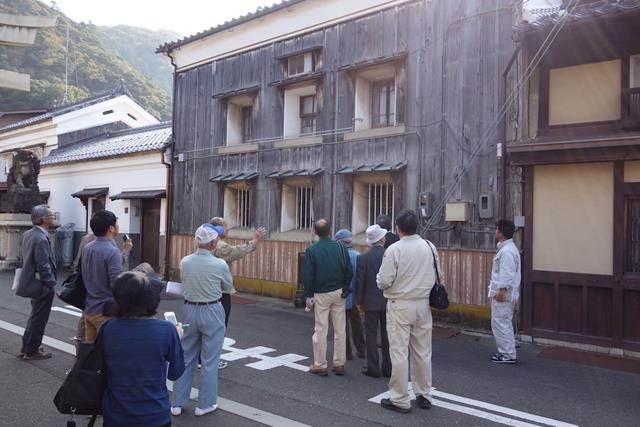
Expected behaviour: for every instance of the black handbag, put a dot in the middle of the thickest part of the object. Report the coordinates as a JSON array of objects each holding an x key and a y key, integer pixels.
[
  {"x": 72, "y": 290},
  {"x": 438, "y": 297},
  {"x": 82, "y": 390}
]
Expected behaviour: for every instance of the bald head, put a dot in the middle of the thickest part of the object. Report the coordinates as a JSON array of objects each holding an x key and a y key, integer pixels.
[{"x": 322, "y": 227}]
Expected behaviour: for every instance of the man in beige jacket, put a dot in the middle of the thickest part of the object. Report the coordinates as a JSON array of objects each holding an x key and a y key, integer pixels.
[
  {"x": 231, "y": 253},
  {"x": 406, "y": 277}
]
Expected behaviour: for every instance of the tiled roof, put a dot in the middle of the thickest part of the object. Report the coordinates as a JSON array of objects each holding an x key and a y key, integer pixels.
[
  {"x": 138, "y": 140},
  {"x": 261, "y": 11},
  {"x": 583, "y": 11},
  {"x": 67, "y": 108}
]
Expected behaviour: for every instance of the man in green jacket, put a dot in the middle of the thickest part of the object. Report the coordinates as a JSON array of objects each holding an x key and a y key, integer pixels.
[{"x": 326, "y": 271}]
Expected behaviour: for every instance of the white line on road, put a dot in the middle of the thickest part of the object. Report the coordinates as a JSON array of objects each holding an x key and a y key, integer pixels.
[
  {"x": 507, "y": 411},
  {"x": 226, "y": 405},
  {"x": 73, "y": 312},
  {"x": 483, "y": 414}
]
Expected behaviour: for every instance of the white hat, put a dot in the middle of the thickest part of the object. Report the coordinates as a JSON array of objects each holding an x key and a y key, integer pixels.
[
  {"x": 205, "y": 234},
  {"x": 375, "y": 233}
]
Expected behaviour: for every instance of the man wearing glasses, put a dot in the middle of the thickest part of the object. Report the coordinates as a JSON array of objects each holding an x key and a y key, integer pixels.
[{"x": 37, "y": 281}]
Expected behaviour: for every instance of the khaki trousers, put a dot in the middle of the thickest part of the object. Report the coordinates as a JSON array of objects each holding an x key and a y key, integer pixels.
[
  {"x": 330, "y": 303},
  {"x": 92, "y": 323},
  {"x": 409, "y": 327}
]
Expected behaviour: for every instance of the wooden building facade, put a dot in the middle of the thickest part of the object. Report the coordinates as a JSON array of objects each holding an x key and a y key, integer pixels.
[
  {"x": 345, "y": 110},
  {"x": 578, "y": 145}
]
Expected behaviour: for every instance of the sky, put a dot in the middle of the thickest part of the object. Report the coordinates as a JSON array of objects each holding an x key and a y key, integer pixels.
[{"x": 185, "y": 17}]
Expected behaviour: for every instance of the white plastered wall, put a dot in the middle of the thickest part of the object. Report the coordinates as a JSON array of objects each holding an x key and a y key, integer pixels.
[
  {"x": 573, "y": 218},
  {"x": 132, "y": 173},
  {"x": 585, "y": 93},
  {"x": 292, "y": 108}
]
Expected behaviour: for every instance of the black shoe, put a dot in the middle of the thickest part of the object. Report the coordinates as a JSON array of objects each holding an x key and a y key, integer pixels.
[
  {"x": 387, "y": 404},
  {"x": 423, "y": 402},
  {"x": 365, "y": 371}
]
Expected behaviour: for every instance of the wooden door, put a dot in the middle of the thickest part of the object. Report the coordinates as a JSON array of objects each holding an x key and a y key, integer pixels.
[{"x": 150, "y": 238}]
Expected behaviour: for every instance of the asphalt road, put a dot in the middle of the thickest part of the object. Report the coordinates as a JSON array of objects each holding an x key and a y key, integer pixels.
[{"x": 268, "y": 347}]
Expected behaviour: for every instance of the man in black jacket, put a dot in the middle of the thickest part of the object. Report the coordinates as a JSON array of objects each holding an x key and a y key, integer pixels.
[
  {"x": 37, "y": 281},
  {"x": 373, "y": 303},
  {"x": 384, "y": 221}
]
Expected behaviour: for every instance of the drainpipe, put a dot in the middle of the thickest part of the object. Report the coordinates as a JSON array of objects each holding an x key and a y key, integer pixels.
[{"x": 169, "y": 182}]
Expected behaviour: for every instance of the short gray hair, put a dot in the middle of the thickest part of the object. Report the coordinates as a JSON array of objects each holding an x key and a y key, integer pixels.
[{"x": 39, "y": 213}]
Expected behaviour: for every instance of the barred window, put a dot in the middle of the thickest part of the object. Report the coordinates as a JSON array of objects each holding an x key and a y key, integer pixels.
[
  {"x": 237, "y": 205},
  {"x": 304, "y": 207},
  {"x": 381, "y": 201}
]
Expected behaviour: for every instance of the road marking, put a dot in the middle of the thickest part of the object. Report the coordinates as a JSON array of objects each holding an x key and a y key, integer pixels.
[
  {"x": 69, "y": 309},
  {"x": 266, "y": 362},
  {"x": 483, "y": 414},
  {"x": 226, "y": 405}
]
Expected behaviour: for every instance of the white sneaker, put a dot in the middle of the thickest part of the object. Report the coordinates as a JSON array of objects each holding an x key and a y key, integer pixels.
[
  {"x": 222, "y": 364},
  {"x": 200, "y": 412},
  {"x": 176, "y": 411}
]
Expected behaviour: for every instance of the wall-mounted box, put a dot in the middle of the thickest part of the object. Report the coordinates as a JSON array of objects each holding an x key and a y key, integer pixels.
[
  {"x": 457, "y": 211},
  {"x": 485, "y": 206}
]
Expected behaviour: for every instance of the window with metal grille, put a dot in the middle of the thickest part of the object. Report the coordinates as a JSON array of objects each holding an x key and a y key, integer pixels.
[
  {"x": 383, "y": 107},
  {"x": 243, "y": 208},
  {"x": 247, "y": 114},
  {"x": 381, "y": 201},
  {"x": 307, "y": 114},
  {"x": 632, "y": 235},
  {"x": 304, "y": 207}
]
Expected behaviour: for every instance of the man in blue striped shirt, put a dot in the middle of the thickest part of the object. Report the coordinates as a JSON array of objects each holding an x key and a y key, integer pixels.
[{"x": 204, "y": 277}]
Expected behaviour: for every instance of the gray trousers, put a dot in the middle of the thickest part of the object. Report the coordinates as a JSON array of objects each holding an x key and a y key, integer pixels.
[{"x": 502, "y": 327}]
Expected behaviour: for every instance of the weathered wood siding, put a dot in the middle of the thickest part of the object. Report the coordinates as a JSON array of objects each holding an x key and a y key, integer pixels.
[
  {"x": 448, "y": 98},
  {"x": 466, "y": 273}
]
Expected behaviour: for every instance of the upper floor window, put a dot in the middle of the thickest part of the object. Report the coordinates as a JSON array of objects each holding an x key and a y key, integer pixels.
[
  {"x": 634, "y": 71},
  {"x": 307, "y": 114},
  {"x": 300, "y": 110},
  {"x": 301, "y": 64},
  {"x": 239, "y": 119},
  {"x": 383, "y": 103},
  {"x": 375, "y": 101}
]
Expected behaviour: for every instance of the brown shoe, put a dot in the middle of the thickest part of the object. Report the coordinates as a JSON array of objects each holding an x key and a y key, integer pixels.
[
  {"x": 338, "y": 370},
  {"x": 318, "y": 371},
  {"x": 38, "y": 355},
  {"x": 22, "y": 353}
]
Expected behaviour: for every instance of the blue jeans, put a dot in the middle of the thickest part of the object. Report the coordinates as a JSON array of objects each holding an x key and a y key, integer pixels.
[{"x": 204, "y": 336}]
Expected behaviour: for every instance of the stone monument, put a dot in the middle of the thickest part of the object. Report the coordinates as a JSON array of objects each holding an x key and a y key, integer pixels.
[{"x": 16, "y": 204}]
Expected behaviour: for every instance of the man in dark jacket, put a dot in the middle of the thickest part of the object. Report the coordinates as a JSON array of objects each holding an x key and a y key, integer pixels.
[
  {"x": 327, "y": 270},
  {"x": 384, "y": 221},
  {"x": 37, "y": 281},
  {"x": 370, "y": 300}
]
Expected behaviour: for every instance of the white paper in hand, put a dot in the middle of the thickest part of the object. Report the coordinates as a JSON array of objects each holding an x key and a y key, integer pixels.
[
  {"x": 174, "y": 288},
  {"x": 16, "y": 279}
]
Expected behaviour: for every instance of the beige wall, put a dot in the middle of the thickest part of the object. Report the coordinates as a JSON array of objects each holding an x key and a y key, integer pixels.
[
  {"x": 631, "y": 171},
  {"x": 573, "y": 218},
  {"x": 585, "y": 93}
]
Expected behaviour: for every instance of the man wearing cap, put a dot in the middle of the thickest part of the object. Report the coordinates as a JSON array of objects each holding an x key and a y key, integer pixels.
[
  {"x": 231, "y": 253},
  {"x": 353, "y": 322},
  {"x": 204, "y": 277},
  {"x": 371, "y": 300},
  {"x": 326, "y": 271},
  {"x": 406, "y": 276}
]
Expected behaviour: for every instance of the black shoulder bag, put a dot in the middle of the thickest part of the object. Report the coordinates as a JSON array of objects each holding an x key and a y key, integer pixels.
[
  {"x": 72, "y": 290},
  {"x": 438, "y": 297},
  {"x": 81, "y": 391},
  {"x": 346, "y": 289}
]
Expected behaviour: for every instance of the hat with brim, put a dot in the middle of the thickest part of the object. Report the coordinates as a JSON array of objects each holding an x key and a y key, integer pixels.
[
  {"x": 374, "y": 234},
  {"x": 205, "y": 234}
]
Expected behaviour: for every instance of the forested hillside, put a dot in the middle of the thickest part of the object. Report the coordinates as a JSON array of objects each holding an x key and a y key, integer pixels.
[{"x": 94, "y": 67}]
